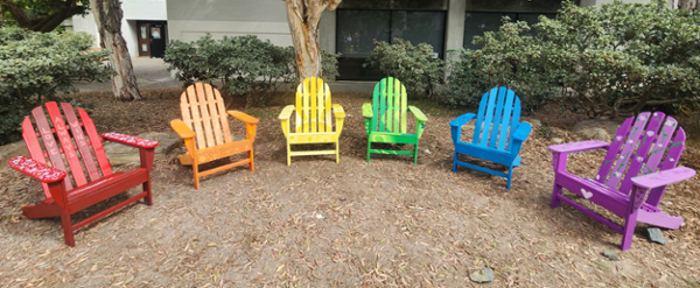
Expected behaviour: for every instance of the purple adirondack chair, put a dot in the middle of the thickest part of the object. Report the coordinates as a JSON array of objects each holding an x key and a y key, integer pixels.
[{"x": 630, "y": 168}]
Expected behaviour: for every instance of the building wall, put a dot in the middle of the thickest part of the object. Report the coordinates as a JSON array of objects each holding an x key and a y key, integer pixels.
[
  {"x": 133, "y": 10},
  {"x": 189, "y": 20}
]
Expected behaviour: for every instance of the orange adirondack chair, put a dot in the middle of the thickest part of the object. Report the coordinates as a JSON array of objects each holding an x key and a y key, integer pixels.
[
  {"x": 205, "y": 130},
  {"x": 67, "y": 190}
]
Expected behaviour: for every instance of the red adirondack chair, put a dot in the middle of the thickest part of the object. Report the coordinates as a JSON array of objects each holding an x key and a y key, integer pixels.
[
  {"x": 628, "y": 183},
  {"x": 66, "y": 196}
]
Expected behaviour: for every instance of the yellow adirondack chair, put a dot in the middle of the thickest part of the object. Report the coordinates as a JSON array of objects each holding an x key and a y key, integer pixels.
[
  {"x": 205, "y": 130},
  {"x": 313, "y": 119}
]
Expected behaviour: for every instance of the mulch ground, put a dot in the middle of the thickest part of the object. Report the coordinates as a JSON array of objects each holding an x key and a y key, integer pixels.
[{"x": 387, "y": 223}]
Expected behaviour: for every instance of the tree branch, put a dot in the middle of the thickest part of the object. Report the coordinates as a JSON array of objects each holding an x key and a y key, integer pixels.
[{"x": 16, "y": 12}]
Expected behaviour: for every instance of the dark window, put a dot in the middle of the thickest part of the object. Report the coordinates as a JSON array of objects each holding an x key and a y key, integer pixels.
[
  {"x": 358, "y": 29},
  {"x": 476, "y": 23}
]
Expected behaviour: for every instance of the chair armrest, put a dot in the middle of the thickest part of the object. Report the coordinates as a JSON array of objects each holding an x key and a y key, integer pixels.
[
  {"x": 182, "y": 129},
  {"x": 338, "y": 111},
  {"x": 286, "y": 112},
  {"x": 663, "y": 178},
  {"x": 245, "y": 118},
  {"x": 522, "y": 131},
  {"x": 130, "y": 140},
  {"x": 418, "y": 114},
  {"x": 461, "y": 120},
  {"x": 367, "y": 111},
  {"x": 36, "y": 169},
  {"x": 339, "y": 118},
  {"x": 579, "y": 146}
]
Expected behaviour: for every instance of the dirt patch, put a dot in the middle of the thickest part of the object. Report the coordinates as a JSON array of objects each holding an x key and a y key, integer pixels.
[{"x": 387, "y": 223}]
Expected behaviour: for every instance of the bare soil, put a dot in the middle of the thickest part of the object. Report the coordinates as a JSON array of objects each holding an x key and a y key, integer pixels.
[{"x": 387, "y": 223}]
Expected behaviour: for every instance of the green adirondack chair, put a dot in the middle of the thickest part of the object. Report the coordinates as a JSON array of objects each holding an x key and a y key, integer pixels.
[{"x": 385, "y": 119}]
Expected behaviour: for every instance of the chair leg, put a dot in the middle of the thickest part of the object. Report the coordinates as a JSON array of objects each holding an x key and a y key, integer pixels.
[
  {"x": 628, "y": 231},
  {"x": 67, "y": 229},
  {"x": 454, "y": 163},
  {"x": 337, "y": 152},
  {"x": 195, "y": 169},
  {"x": 510, "y": 177},
  {"x": 149, "y": 194},
  {"x": 289, "y": 154},
  {"x": 252, "y": 165},
  {"x": 556, "y": 193},
  {"x": 415, "y": 154},
  {"x": 369, "y": 146}
]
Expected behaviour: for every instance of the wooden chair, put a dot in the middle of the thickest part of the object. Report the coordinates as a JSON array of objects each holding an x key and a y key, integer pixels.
[
  {"x": 638, "y": 148},
  {"x": 313, "y": 122},
  {"x": 385, "y": 119},
  {"x": 498, "y": 134},
  {"x": 205, "y": 129},
  {"x": 67, "y": 189}
]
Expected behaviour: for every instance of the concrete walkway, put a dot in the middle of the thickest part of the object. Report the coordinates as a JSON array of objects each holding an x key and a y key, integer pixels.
[{"x": 152, "y": 73}]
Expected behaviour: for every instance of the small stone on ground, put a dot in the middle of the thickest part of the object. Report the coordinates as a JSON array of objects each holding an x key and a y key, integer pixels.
[
  {"x": 482, "y": 276},
  {"x": 655, "y": 235},
  {"x": 610, "y": 254}
]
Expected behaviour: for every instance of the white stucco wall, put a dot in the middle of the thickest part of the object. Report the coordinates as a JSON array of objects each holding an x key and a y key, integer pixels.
[
  {"x": 133, "y": 10},
  {"x": 188, "y": 20}
]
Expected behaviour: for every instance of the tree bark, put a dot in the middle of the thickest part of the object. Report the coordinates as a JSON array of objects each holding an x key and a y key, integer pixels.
[
  {"x": 303, "y": 17},
  {"x": 62, "y": 10},
  {"x": 689, "y": 5},
  {"x": 108, "y": 16}
]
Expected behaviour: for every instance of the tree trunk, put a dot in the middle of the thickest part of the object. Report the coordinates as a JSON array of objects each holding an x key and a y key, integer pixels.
[
  {"x": 689, "y": 5},
  {"x": 303, "y": 17},
  {"x": 108, "y": 16}
]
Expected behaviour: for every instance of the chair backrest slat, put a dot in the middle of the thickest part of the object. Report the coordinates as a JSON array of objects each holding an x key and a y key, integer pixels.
[
  {"x": 638, "y": 148},
  {"x": 223, "y": 116},
  {"x": 488, "y": 116},
  {"x": 497, "y": 120},
  {"x": 313, "y": 99},
  {"x": 190, "y": 95},
  {"x": 498, "y": 115},
  {"x": 508, "y": 120},
  {"x": 639, "y": 158},
  {"x": 389, "y": 106},
  {"x": 80, "y": 141},
  {"x": 204, "y": 112},
  {"x": 675, "y": 149},
  {"x": 313, "y": 107},
  {"x": 70, "y": 133},
  {"x": 31, "y": 138},
  {"x": 64, "y": 137},
  {"x": 515, "y": 121},
  {"x": 389, "y": 112},
  {"x": 214, "y": 114},
  {"x": 95, "y": 143},
  {"x": 50, "y": 144},
  {"x": 321, "y": 111},
  {"x": 627, "y": 148},
  {"x": 382, "y": 107},
  {"x": 202, "y": 106},
  {"x": 614, "y": 148}
]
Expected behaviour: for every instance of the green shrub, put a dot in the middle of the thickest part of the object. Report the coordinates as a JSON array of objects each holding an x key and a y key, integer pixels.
[
  {"x": 34, "y": 67},
  {"x": 416, "y": 66},
  {"x": 242, "y": 64},
  {"x": 508, "y": 57},
  {"x": 621, "y": 58},
  {"x": 245, "y": 65}
]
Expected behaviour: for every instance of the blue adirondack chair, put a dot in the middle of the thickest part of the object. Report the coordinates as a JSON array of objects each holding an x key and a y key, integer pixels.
[{"x": 498, "y": 134}]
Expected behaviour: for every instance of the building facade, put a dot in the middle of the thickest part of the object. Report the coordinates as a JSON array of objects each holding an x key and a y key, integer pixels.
[
  {"x": 350, "y": 30},
  {"x": 144, "y": 27}
]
